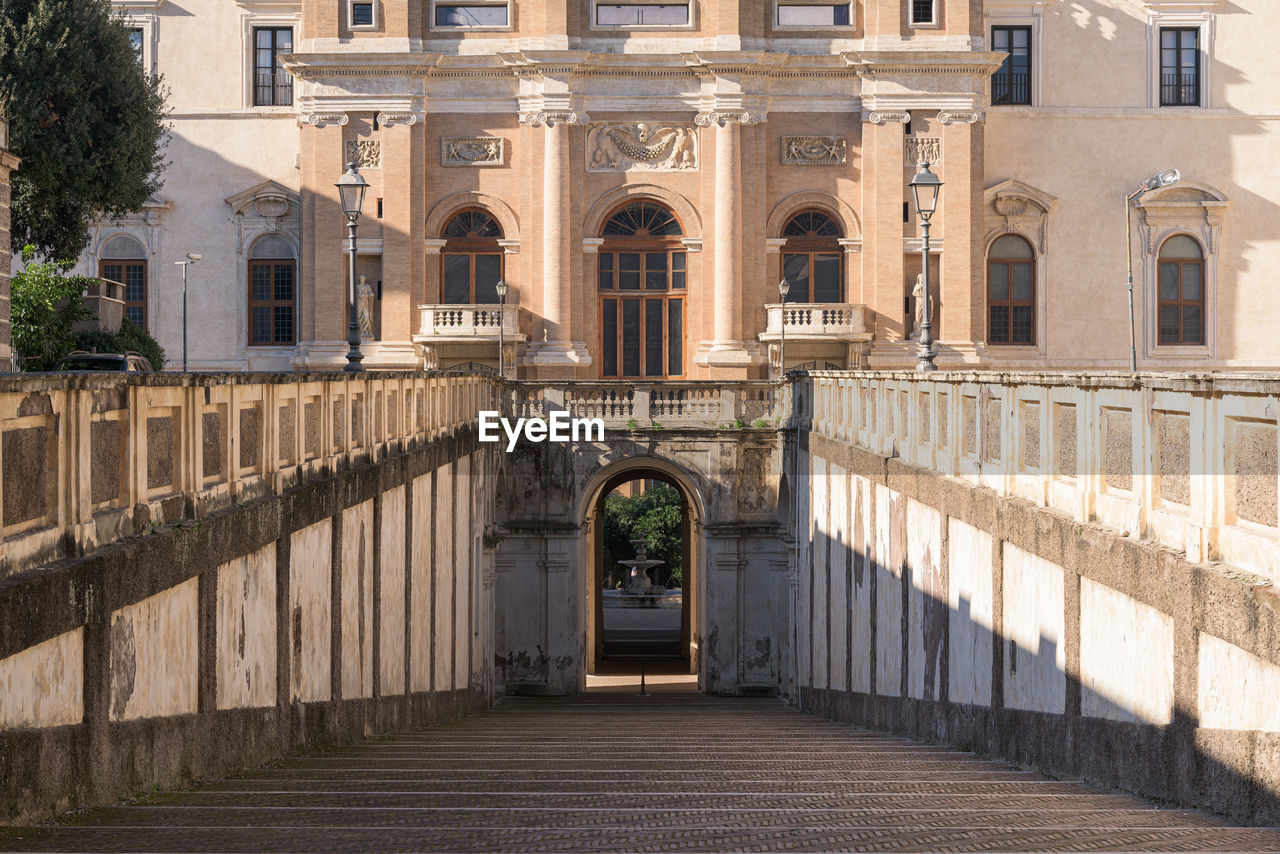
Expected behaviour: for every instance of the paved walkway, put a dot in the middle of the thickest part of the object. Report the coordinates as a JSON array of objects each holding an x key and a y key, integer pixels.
[{"x": 660, "y": 773}]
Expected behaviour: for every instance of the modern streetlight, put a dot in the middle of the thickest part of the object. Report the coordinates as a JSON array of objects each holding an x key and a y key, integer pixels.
[
  {"x": 1164, "y": 179},
  {"x": 784, "y": 288},
  {"x": 925, "y": 189},
  {"x": 351, "y": 189},
  {"x": 501, "y": 288},
  {"x": 191, "y": 259}
]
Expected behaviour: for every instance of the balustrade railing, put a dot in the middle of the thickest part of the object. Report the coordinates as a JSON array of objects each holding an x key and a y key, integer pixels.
[
  {"x": 675, "y": 404},
  {"x": 1189, "y": 461},
  {"x": 841, "y": 321},
  {"x": 88, "y": 458},
  {"x": 476, "y": 321}
]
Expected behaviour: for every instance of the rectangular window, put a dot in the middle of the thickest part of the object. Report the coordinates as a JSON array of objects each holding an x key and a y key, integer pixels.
[
  {"x": 1179, "y": 67},
  {"x": 135, "y": 41},
  {"x": 642, "y": 15},
  {"x": 922, "y": 12},
  {"x": 1012, "y": 83},
  {"x": 133, "y": 275},
  {"x": 361, "y": 14},
  {"x": 469, "y": 15},
  {"x": 271, "y": 302},
  {"x": 273, "y": 86},
  {"x": 812, "y": 14}
]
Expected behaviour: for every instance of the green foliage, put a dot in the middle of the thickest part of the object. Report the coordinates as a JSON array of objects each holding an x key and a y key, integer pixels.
[
  {"x": 130, "y": 338},
  {"x": 631, "y": 424},
  {"x": 655, "y": 515},
  {"x": 45, "y": 305},
  {"x": 85, "y": 117},
  {"x": 760, "y": 424}
]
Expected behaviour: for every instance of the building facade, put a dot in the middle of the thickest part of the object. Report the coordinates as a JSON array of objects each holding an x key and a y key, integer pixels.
[{"x": 641, "y": 175}]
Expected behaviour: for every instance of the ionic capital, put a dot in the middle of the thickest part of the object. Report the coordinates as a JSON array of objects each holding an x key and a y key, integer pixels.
[
  {"x": 725, "y": 118},
  {"x": 966, "y": 117},
  {"x": 319, "y": 120},
  {"x": 390, "y": 119},
  {"x": 550, "y": 118},
  {"x": 881, "y": 117}
]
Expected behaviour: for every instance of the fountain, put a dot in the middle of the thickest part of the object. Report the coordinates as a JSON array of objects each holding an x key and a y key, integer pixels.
[{"x": 640, "y": 584}]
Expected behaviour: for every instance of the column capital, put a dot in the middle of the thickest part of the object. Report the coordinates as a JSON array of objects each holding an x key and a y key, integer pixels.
[
  {"x": 550, "y": 118},
  {"x": 965, "y": 117},
  {"x": 727, "y": 117},
  {"x": 319, "y": 120},
  {"x": 880, "y": 117},
  {"x": 390, "y": 119}
]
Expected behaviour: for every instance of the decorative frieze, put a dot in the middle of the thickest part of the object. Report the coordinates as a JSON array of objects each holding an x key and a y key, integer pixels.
[
  {"x": 365, "y": 153},
  {"x": 471, "y": 151},
  {"x": 813, "y": 150},
  {"x": 922, "y": 149},
  {"x": 642, "y": 147}
]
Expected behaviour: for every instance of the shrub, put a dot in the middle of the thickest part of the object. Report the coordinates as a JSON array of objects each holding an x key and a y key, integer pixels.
[
  {"x": 130, "y": 338},
  {"x": 44, "y": 306}
]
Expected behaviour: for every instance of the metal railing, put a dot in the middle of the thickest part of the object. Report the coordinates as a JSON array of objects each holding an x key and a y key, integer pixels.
[{"x": 1010, "y": 88}]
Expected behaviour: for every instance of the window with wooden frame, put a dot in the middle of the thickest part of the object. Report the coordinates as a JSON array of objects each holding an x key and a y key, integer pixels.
[
  {"x": 1180, "y": 295},
  {"x": 1011, "y": 292},
  {"x": 272, "y": 292},
  {"x": 811, "y": 258},
  {"x": 272, "y": 85},
  {"x": 642, "y": 280},
  {"x": 471, "y": 262},
  {"x": 1179, "y": 66},
  {"x": 122, "y": 259}
]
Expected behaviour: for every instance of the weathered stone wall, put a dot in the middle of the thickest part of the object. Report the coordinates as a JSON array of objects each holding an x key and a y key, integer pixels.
[
  {"x": 270, "y": 624},
  {"x": 991, "y": 621}
]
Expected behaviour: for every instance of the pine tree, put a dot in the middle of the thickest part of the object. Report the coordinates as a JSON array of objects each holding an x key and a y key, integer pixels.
[{"x": 84, "y": 115}]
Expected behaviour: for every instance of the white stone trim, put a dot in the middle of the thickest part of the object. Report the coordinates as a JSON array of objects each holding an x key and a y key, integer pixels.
[
  {"x": 611, "y": 28},
  {"x": 376, "y": 23},
  {"x": 248, "y": 21},
  {"x": 147, "y": 23},
  {"x": 433, "y": 27}
]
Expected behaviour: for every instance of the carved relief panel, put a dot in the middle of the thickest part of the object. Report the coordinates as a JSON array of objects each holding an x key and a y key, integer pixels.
[
  {"x": 471, "y": 151},
  {"x": 813, "y": 150},
  {"x": 642, "y": 147}
]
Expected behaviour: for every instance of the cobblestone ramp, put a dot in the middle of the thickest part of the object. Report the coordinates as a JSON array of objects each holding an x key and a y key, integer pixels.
[{"x": 673, "y": 773}]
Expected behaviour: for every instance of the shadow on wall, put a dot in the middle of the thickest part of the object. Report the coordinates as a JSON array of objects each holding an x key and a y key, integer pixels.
[{"x": 1013, "y": 631}]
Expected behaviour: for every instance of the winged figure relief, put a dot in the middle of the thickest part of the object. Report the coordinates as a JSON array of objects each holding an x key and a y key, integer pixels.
[{"x": 473, "y": 150}]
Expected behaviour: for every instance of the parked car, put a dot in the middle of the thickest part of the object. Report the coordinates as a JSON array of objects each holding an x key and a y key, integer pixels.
[{"x": 81, "y": 360}]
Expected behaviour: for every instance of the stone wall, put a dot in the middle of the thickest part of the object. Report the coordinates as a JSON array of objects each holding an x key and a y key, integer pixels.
[
  {"x": 952, "y": 607},
  {"x": 231, "y": 636}
]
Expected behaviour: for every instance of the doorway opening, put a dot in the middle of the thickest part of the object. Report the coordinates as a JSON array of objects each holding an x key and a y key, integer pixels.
[{"x": 642, "y": 583}]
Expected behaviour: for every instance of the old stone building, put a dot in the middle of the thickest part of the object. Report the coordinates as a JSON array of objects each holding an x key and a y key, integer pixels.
[{"x": 642, "y": 173}]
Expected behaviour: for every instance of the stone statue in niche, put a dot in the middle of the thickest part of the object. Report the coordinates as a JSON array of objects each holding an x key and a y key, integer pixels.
[
  {"x": 917, "y": 300},
  {"x": 642, "y": 147},
  {"x": 364, "y": 307}
]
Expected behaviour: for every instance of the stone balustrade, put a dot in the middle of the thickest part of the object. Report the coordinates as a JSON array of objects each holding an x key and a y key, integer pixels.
[
  {"x": 86, "y": 459},
  {"x": 467, "y": 321},
  {"x": 835, "y": 321},
  {"x": 1188, "y": 461},
  {"x": 674, "y": 404}
]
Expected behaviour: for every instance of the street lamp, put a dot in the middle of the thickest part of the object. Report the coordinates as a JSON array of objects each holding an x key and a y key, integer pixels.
[
  {"x": 1163, "y": 179},
  {"x": 191, "y": 259},
  {"x": 351, "y": 188},
  {"x": 501, "y": 288},
  {"x": 925, "y": 188},
  {"x": 784, "y": 288}
]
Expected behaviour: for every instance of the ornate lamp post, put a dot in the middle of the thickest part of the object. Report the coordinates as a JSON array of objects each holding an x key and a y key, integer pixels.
[
  {"x": 784, "y": 288},
  {"x": 191, "y": 259},
  {"x": 351, "y": 189},
  {"x": 925, "y": 188},
  {"x": 501, "y": 288},
  {"x": 1164, "y": 179}
]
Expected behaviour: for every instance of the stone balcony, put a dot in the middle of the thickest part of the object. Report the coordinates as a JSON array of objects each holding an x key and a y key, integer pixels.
[
  {"x": 819, "y": 330},
  {"x": 467, "y": 333}
]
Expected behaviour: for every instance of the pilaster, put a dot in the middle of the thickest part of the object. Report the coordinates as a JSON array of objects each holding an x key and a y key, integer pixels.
[
  {"x": 323, "y": 304},
  {"x": 402, "y": 235},
  {"x": 883, "y": 194},
  {"x": 961, "y": 217}
]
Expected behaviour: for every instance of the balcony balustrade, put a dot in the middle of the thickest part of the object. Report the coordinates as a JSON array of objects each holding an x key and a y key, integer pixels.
[
  {"x": 832, "y": 321},
  {"x": 466, "y": 322}
]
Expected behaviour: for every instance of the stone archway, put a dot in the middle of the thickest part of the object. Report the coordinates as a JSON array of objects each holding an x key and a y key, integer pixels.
[{"x": 592, "y": 550}]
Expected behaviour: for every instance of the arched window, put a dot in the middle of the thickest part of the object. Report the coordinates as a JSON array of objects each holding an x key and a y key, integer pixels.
[
  {"x": 272, "y": 292},
  {"x": 811, "y": 258},
  {"x": 124, "y": 260},
  {"x": 1011, "y": 291},
  {"x": 472, "y": 259},
  {"x": 1180, "y": 302},
  {"x": 642, "y": 280}
]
